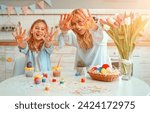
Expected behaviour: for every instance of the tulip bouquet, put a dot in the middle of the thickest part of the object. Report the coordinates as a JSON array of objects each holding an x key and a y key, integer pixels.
[{"x": 124, "y": 29}]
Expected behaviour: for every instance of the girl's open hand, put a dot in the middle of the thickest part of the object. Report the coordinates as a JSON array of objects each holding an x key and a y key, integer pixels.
[
  {"x": 50, "y": 37},
  {"x": 65, "y": 22},
  {"x": 19, "y": 34}
]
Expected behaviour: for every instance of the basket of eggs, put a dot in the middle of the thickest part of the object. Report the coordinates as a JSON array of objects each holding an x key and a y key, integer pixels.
[{"x": 103, "y": 73}]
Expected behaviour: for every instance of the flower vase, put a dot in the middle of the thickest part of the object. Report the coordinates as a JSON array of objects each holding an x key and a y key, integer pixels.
[{"x": 126, "y": 69}]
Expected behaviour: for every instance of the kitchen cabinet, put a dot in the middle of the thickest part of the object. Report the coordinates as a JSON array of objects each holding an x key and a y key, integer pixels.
[{"x": 7, "y": 56}]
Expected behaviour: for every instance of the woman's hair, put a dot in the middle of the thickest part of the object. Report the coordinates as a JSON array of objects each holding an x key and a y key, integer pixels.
[
  {"x": 31, "y": 42},
  {"x": 85, "y": 41}
]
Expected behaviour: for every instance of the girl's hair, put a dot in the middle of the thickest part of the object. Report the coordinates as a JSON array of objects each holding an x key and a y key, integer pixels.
[
  {"x": 31, "y": 42},
  {"x": 85, "y": 41}
]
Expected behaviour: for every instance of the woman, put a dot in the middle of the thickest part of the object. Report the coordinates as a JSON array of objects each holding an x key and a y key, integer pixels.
[{"x": 80, "y": 30}]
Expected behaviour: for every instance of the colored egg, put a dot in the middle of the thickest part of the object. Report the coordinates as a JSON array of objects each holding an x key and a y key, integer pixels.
[
  {"x": 109, "y": 70},
  {"x": 103, "y": 71},
  {"x": 99, "y": 69},
  {"x": 105, "y": 66},
  {"x": 45, "y": 75},
  {"x": 46, "y": 88},
  {"x": 29, "y": 64},
  {"x": 37, "y": 81},
  {"x": 82, "y": 80},
  {"x": 61, "y": 82},
  {"x": 38, "y": 76},
  {"x": 94, "y": 68},
  {"x": 43, "y": 79},
  {"x": 77, "y": 74},
  {"x": 54, "y": 80}
]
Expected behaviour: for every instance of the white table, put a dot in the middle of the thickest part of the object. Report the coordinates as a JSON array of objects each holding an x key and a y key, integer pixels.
[{"x": 21, "y": 85}]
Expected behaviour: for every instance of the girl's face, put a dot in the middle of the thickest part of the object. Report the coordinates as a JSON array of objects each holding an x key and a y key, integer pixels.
[
  {"x": 78, "y": 24},
  {"x": 39, "y": 31}
]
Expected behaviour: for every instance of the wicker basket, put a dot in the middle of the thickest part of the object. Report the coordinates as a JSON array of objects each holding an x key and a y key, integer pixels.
[{"x": 100, "y": 77}]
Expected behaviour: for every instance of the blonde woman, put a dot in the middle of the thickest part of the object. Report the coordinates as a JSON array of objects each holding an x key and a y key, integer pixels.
[{"x": 80, "y": 30}]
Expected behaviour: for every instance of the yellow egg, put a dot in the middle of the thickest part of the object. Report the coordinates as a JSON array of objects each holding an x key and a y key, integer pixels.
[
  {"x": 38, "y": 76},
  {"x": 103, "y": 70}
]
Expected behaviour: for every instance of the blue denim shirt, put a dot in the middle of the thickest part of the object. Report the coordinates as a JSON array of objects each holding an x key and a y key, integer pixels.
[{"x": 43, "y": 58}]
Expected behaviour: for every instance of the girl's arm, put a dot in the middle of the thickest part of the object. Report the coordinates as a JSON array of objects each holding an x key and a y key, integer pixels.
[
  {"x": 99, "y": 35},
  {"x": 49, "y": 49},
  {"x": 24, "y": 50}
]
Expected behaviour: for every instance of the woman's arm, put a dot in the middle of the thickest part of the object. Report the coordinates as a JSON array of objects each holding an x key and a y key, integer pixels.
[{"x": 69, "y": 39}]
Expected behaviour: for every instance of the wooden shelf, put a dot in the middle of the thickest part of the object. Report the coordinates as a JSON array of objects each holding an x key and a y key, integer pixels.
[
  {"x": 8, "y": 43},
  {"x": 13, "y": 43}
]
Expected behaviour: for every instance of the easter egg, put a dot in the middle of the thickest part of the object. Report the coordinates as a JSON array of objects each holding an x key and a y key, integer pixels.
[
  {"x": 43, "y": 79},
  {"x": 94, "y": 68},
  {"x": 61, "y": 82},
  {"x": 46, "y": 88},
  {"x": 109, "y": 70},
  {"x": 105, "y": 66},
  {"x": 54, "y": 80},
  {"x": 82, "y": 80},
  {"x": 45, "y": 75},
  {"x": 103, "y": 71},
  {"x": 77, "y": 74},
  {"x": 29, "y": 64},
  {"x": 37, "y": 81},
  {"x": 38, "y": 76},
  {"x": 99, "y": 69}
]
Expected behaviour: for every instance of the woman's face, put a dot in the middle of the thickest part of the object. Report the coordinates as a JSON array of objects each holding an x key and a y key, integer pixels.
[
  {"x": 39, "y": 30},
  {"x": 78, "y": 24}
]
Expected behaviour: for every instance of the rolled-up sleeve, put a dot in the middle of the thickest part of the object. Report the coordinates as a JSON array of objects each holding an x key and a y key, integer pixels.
[
  {"x": 98, "y": 35},
  {"x": 24, "y": 50},
  {"x": 50, "y": 49}
]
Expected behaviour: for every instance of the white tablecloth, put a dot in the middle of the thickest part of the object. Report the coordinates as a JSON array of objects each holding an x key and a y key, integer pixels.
[{"x": 21, "y": 85}]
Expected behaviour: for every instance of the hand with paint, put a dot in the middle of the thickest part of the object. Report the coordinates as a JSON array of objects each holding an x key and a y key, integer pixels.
[{"x": 19, "y": 35}]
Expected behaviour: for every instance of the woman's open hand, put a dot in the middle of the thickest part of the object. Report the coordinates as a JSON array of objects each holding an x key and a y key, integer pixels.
[
  {"x": 90, "y": 23},
  {"x": 65, "y": 22}
]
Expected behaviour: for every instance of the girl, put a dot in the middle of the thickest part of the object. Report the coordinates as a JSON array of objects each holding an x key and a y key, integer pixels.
[
  {"x": 80, "y": 30},
  {"x": 38, "y": 46}
]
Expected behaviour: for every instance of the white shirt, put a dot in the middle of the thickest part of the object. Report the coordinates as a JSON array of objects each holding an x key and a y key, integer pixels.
[{"x": 97, "y": 55}]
